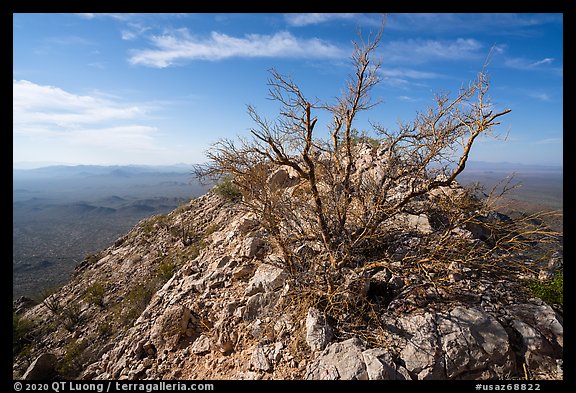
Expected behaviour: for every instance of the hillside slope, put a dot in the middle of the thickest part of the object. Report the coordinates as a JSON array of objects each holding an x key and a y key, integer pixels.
[{"x": 201, "y": 293}]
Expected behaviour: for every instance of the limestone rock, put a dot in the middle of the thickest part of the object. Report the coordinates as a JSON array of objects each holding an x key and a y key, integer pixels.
[
  {"x": 381, "y": 366},
  {"x": 541, "y": 336},
  {"x": 342, "y": 360},
  {"x": 251, "y": 247},
  {"x": 170, "y": 326},
  {"x": 42, "y": 368},
  {"x": 201, "y": 345},
  {"x": 318, "y": 332},
  {"x": 266, "y": 278},
  {"x": 259, "y": 304},
  {"x": 421, "y": 354},
  {"x": 474, "y": 345},
  {"x": 283, "y": 177},
  {"x": 259, "y": 360}
]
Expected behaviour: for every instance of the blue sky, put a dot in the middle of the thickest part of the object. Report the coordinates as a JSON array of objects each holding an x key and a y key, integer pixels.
[{"x": 160, "y": 88}]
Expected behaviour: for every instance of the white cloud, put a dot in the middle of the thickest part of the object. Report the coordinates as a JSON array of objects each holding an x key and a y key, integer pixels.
[
  {"x": 540, "y": 96},
  {"x": 418, "y": 51},
  {"x": 116, "y": 16},
  {"x": 128, "y": 35},
  {"x": 401, "y": 77},
  {"x": 179, "y": 46},
  {"x": 408, "y": 99},
  {"x": 509, "y": 23},
  {"x": 549, "y": 141},
  {"x": 528, "y": 64},
  {"x": 52, "y": 105},
  {"x": 314, "y": 18},
  {"x": 408, "y": 73},
  {"x": 54, "y": 114}
]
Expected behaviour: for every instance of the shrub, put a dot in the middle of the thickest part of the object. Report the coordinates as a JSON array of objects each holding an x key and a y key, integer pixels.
[
  {"x": 70, "y": 364},
  {"x": 21, "y": 331},
  {"x": 551, "y": 291},
  {"x": 149, "y": 225},
  {"x": 70, "y": 316},
  {"x": 95, "y": 294},
  {"x": 105, "y": 329},
  {"x": 135, "y": 302},
  {"x": 352, "y": 211},
  {"x": 165, "y": 270},
  {"x": 227, "y": 189}
]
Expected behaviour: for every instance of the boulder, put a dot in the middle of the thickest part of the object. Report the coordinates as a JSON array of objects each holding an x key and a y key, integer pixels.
[
  {"x": 251, "y": 247},
  {"x": 474, "y": 345},
  {"x": 267, "y": 278},
  {"x": 381, "y": 366},
  {"x": 259, "y": 360},
  {"x": 259, "y": 304},
  {"x": 318, "y": 332},
  {"x": 170, "y": 326},
  {"x": 541, "y": 336},
  {"x": 419, "y": 223},
  {"x": 343, "y": 360},
  {"x": 42, "y": 368},
  {"x": 421, "y": 354},
  {"x": 201, "y": 345},
  {"x": 283, "y": 177}
]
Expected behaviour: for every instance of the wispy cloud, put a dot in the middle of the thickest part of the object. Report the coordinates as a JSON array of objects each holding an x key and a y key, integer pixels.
[
  {"x": 402, "y": 77},
  {"x": 132, "y": 25},
  {"x": 540, "y": 96},
  {"x": 408, "y": 99},
  {"x": 418, "y": 51},
  {"x": 549, "y": 141},
  {"x": 408, "y": 73},
  {"x": 116, "y": 16},
  {"x": 49, "y": 111},
  {"x": 315, "y": 18},
  {"x": 70, "y": 40},
  {"x": 180, "y": 46},
  {"x": 528, "y": 64},
  {"x": 509, "y": 23}
]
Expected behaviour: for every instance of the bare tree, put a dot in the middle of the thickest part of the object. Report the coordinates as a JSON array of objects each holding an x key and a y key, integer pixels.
[
  {"x": 339, "y": 205},
  {"x": 338, "y": 208}
]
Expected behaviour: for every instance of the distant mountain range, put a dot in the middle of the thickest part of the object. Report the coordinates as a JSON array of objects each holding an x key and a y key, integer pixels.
[
  {"x": 509, "y": 166},
  {"x": 62, "y": 213}
]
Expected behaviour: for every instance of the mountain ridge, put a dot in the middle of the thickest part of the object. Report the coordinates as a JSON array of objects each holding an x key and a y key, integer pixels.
[{"x": 203, "y": 292}]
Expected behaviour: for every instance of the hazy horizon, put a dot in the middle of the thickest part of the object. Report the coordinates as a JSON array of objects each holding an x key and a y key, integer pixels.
[{"x": 37, "y": 165}]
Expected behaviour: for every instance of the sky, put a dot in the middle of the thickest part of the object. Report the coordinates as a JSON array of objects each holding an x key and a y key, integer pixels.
[{"x": 159, "y": 89}]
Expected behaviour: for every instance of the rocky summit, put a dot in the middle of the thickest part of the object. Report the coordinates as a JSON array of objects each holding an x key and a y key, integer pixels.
[{"x": 203, "y": 293}]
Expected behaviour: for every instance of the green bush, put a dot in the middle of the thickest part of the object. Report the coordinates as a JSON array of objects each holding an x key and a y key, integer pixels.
[
  {"x": 95, "y": 294},
  {"x": 362, "y": 137},
  {"x": 70, "y": 316},
  {"x": 21, "y": 330},
  {"x": 149, "y": 225},
  {"x": 135, "y": 302},
  {"x": 105, "y": 329},
  {"x": 165, "y": 270},
  {"x": 227, "y": 189},
  {"x": 71, "y": 363},
  {"x": 551, "y": 291}
]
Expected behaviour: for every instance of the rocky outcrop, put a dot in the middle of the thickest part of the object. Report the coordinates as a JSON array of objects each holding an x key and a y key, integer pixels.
[
  {"x": 342, "y": 360},
  {"x": 318, "y": 332},
  {"x": 226, "y": 311},
  {"x": 464, "y": 343},
  {"x": 42, "y": 368}
]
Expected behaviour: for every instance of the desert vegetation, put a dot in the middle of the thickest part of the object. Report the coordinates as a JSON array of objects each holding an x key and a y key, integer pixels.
[{"x": 335, "y": 206}]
